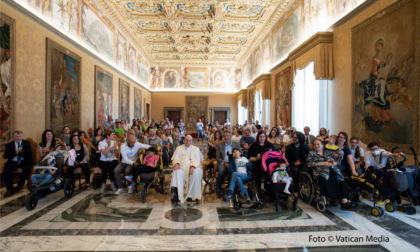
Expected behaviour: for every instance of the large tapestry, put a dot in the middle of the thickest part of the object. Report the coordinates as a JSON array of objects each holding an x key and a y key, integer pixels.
[
  {"x": 283, "y": 91},
  {"x": 7, "y": 80},
  {"x": 103, "y": 96},
  {"x": 196, "y": 108},
  {"x": 251, "y": 103},
  {"x": 385, "y": 66},
  {"x": 63, "y": 88},
  {"x": 124, "y": 104},
  {"x": 137, "y": 103}
]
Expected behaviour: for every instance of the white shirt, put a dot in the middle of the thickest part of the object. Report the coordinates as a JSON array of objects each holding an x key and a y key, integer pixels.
[
  {"x": 254, "y": 135},
  {"x": 129, "y": 154},
  {"x": 111, "y": 155},
  {"x": 169, "y": 139},
  {"x": 374, "y": 161},
  {"x": 236, "y": 138},
  {"x": 362, "y": 154},
  {"x": 16, "y": 148},
  {"x": 241, "y": 164},
  {"x": 200, "y": 126}
]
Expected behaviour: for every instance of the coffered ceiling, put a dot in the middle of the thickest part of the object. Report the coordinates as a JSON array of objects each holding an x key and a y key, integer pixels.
[{"x": 213, "y": 31}]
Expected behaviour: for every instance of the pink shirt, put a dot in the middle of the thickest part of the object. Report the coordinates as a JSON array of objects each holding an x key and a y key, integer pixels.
[{"x": 151, "y": 160}]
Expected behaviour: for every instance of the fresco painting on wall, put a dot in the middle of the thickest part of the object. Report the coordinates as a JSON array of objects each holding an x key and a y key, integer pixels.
[
  {"x": 266, "y": 54},
  {"x": 95, "y": 32},
  {"x": 196, "y": 78},
  {"x": 386, "y": 92},
  {"x": 247, "y": 73},
  {"x": 196, "y": 107},
  {"x": 288, "y": 35},
  {"x": 137, "y": 103},
  {"x": 154, "y": 77},
  {"x": 42, "y": 6},
  {"x": 238, "y": 78},
  {"x": 103, "y": 95},
  {"x": 142, "y": 72},
  {"x": 131, "y": 59},
  {"x": 63, "y": 88},
  {"x": 170, "y": 79},
  {"x": 7, "y": 77},
  {"x": 66, "y": 15},
  {"x": 283, "y": 92},
  {"x": 124, "y": 101},
  {"x": 220, "y": 80}
]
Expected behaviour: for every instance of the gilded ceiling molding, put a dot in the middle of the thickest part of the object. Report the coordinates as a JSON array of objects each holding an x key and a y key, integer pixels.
[{"x": 318, "y": 49}]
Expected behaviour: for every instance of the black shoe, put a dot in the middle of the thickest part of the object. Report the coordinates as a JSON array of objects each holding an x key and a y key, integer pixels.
[
  {"x": 347, "y": 206},
  {"x": 229, "y": 195},
  {"x": 197, "y": 201},
  {"x": 247, "y": 198},
  {"x": 295, "y": 203},
  {"x": 219, "y": 193},
  {"x": 189, "y": 199},
  {"x": 174, "y": 195}
]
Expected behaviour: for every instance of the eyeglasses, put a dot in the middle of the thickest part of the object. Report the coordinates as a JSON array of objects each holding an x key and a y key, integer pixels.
[
  {"x": 341, "y": 137},
  {"x": 354, "y": 142}
]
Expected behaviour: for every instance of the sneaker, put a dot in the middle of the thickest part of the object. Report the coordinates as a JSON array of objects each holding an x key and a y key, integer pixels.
[
  {"x": 119, "y": 191},
  {"x": 347, "y": 206},
  {"x": 247, "y": 198},
  {"x": 130, "y": 189},
  {"x": 219, "y": 193},
  {"x": 129, "y": 178},
  {"x": 229, "y": 195},
  {"x": 114, "y": 189},
  {"x": 286, "y": 191},
  {"x": 103, "y": 188}
]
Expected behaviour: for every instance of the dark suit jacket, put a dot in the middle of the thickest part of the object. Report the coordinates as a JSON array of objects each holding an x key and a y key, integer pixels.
[
  {"x": 220, "y": 155},
  {"x": 10, "y": 151}
]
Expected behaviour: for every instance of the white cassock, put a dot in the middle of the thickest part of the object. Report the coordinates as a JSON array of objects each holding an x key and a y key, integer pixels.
[{"x": 181, "y": 178}]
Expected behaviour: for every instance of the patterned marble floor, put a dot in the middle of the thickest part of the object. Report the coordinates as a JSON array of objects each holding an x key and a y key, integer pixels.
[{"x": 90, "y": 221}]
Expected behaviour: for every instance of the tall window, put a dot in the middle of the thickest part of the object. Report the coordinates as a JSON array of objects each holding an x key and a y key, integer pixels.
[
  {"x": 258, "y": 109},
  {"x": 309, "y": 99},
  {"x": 242, "y": 114}
]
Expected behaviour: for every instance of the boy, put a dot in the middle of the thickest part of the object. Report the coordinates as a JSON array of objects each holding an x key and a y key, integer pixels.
[
  {"x": 240, "y": 168},
  {"x": 331, "y": 145}
]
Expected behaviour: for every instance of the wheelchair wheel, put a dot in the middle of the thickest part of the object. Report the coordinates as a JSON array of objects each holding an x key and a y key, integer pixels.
[
  {"x": 237, "y": 205},
  {"x": 260, "y": 205},
  {"x": 162, "y": 184},
  {"x": 377, "y": 211},
  {"x": 69, "y": 188},
  {"x": 143, "y": 192},
  {"x": 32, "y": 201},
  {"x": 321, "y": 206},
  {"x": 410, "y": 210},
  {"x": 307, "y": 188},
  {"x": 277, "y": 206},
  {"x": 391, "y": 207}
]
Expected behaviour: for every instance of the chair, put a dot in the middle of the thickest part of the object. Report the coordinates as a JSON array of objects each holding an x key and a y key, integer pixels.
[{"x": 157, "y": 179}]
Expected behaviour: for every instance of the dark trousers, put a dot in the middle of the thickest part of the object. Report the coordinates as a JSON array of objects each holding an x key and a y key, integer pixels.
[
  {"x": 141, "y": 168},
  {"x": 94, "y": 158},
  {"x": 9, "y": 167},
  {"x": 85, "y": 168},
  {"x": 107, "y": 168},
  {"x": 296, "y": 177}
]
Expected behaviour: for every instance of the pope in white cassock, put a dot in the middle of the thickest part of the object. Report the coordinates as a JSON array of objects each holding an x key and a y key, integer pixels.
[{"x": 187, "y": 172}]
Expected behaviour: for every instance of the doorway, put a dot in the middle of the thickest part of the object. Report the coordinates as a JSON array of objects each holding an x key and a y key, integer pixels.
[
  {"x": 219, "y": 114},
  {"x": 148, "y": 111},
  {"x": 174, "y": 114}
]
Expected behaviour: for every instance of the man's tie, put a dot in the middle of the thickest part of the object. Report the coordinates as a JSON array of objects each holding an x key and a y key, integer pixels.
[
  {"x": 307, "y": 139},
  {"x": 19, "y": 157}
]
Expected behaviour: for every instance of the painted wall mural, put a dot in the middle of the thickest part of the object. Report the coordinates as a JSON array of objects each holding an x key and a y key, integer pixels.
[
  {"x": 386, "y": 92},
  {"x": 63, "y": 88},
  {"x": 283, "y": 98},
  {"x": 124, "y": 100},
  {"x": 137, "y": 103},
  {"x": 103, "y": 95},
  {"x": 66, "y": 15}
]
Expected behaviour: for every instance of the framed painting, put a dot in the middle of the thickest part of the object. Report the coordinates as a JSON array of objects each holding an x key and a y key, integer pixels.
[
  {"x": 196, "y": 78},
  {"x": 137, "y": 103},
  {"x": 124, "y": 101},
  {"x": 103, "y": 95},
  {"x": 283, "y": 98},
  {"x": 7, "y": 80},
  {"x": 170, "y": 79},
  {"x": 386, "y": 77},
  {"x": 63, "y": 88}
]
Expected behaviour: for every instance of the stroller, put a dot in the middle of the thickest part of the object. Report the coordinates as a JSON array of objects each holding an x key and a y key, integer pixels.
[
  {"x": 55, "y": 183},
  {"x": 270, "y": 161}
]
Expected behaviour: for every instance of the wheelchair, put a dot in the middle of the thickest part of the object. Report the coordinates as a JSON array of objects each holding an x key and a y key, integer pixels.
[
  {"x": 310, "y": 190},
  {"x": 151, "y": 179}
]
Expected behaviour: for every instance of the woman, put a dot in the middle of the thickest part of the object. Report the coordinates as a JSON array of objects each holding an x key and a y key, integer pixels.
[
  {"x": 218, "y": 138},
  {"x": 78, "y": 157},
  {"x": 176, "y": 138},
  {"x": 109, "y": 151},
  {"x": 97, "y": 137},
  {"x": 255, "y": 153},
  {"x": 358, "y": 155},
  {"x": 347, "y": 163},
  {"x": 47, "y": 143},
  {"x": 236, "y": 137},
  {"x": 323, "y": 136},
  {"x": 326, "y": 166},
  {"x": 274, "y": 139},
  {"x": 85, "y": 138},
  {"x": 135, "y": 124}
]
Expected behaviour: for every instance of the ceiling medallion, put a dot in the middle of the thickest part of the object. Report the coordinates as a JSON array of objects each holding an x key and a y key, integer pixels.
[
  {"x": 195, "y": 26},
  {"x": 195, "y": 40},
  {"x": 194, "y": 10}
]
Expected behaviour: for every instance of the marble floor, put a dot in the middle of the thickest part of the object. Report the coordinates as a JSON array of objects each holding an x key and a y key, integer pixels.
[{"x": 91, "y": 221}]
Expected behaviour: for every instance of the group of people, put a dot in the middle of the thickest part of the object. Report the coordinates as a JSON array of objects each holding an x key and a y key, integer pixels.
[{"x": 235, "y": 149}]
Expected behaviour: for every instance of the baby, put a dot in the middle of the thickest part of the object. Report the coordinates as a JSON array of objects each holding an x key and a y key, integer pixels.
[
  {"x": 46, "y": 174},
  {"x": 280, "y": 175}
]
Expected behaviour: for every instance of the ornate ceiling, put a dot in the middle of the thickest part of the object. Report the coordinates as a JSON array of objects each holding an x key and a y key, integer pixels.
[{"x": 212, "y": 31}]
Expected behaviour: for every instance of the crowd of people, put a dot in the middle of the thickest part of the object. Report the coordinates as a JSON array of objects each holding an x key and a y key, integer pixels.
[{"x": 235, "y": 149}]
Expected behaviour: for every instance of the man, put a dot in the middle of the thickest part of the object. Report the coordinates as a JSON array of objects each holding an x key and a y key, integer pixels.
[
  {"x": 249, "y": 125},
  {"x": 309, "y": 139},
  {"x": 296, "y": 154},
  {"x": 257, "y": 125},
  {"x": 180, "y": 124},
  {"x": 200, "y": 130},
  {"x": 119, "y": 129},
  {"x": 18, "y": 155},
  {"x": 187, "y": 171},
  {"x": 254, "y": 132},
  {"x": 109, "y": 125},
  {"x": 247, "y": 138},
  {"x": 227, "y": 123},
  {"x": 152, "y": 139},
  {"x": 223, "y": 154},
  {"x": 91, "y": 132},
  {"x": 377, "y": 157},
  {"x": 129, "y": 160},
  {"x": 211, "y": 137},
  {"x": 65, "y": 137}
]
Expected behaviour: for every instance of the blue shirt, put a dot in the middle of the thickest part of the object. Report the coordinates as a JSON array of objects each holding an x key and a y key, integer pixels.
[
  {"x": 228, "y": 149},
  {"x": 250, "y": 140}
]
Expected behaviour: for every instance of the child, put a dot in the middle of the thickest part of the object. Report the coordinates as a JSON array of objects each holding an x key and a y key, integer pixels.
[
  {"x": 280, "y": 175},
  {"x": 331, "y": 145},
  {"x": 165, "y": 149},
  {"x": 245, "y": 149},
  {"x": 149, "y": 165},
  {"x": 240, "y": 168},
  {"x": 45, "y": 174}
]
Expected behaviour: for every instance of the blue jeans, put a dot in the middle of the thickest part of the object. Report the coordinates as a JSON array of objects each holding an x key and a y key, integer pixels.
[
  {"x": 46, "y": 176},
  {"x": 200, "y": 133},
  {"x": 238, "y": 179}
]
